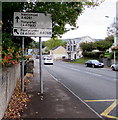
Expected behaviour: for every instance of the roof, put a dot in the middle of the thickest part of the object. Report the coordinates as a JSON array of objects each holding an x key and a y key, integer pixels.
[
  {"x": 79, "y": 38},
  {"x": 55, "y": 48}
]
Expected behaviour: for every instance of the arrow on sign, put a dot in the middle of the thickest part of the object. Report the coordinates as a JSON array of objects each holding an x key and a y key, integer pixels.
[
  {"x": 17, "y": 18},
  {"x": 15, "y": 31}
]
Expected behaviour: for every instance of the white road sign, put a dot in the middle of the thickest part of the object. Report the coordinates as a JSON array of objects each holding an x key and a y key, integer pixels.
[
  {"x": 32, "y": 24},
  {"x": 32, "y": 32}
]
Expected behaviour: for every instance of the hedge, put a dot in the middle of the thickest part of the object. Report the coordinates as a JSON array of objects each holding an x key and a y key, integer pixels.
[{"x": 92, "y": 54}]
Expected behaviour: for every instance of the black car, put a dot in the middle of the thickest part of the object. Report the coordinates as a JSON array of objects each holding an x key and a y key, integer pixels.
[{"x": 94, "y": 63}]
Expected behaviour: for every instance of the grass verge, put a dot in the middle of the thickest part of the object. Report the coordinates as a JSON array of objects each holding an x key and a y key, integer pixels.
[{"x": 81, "y": 60}]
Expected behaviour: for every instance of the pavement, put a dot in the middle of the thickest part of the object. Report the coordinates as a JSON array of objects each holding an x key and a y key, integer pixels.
[{"x": 57, "y": 102}]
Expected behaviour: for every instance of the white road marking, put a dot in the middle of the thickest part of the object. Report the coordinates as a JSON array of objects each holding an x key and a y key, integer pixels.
[
  {"x": 93, "y": 74},
  {"x": 74, "y": 69}
]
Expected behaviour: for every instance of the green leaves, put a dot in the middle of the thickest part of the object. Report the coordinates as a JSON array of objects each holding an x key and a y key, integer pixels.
[
  {"x": 101, "y": 45},
  {"x": 53, "y": 43}
]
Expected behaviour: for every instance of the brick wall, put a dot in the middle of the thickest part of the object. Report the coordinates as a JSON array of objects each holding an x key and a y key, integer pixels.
[{"x": 8, "y": 80}]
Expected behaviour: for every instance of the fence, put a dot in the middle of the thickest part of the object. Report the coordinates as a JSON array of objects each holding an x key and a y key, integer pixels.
[{"x": 8, "y": 83}]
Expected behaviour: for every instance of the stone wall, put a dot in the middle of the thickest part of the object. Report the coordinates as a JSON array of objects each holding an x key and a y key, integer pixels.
[{"x": 8, "y": 82}]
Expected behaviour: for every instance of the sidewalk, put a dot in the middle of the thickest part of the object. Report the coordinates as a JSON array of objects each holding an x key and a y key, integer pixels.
[{"x": 57, "y": 101}]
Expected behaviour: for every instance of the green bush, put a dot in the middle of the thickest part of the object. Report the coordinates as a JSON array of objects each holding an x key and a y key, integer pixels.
[
  {"x": 92, "y": 54},
  {"x": 112, "y": 55}
]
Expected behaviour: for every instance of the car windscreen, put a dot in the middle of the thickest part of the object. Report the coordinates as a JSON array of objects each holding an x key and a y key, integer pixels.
[
  {"x": 49, "y": 59},
  {"x": 95, "y": 61}
]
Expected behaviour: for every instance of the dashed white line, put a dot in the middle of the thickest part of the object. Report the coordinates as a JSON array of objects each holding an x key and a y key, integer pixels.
[
  {"x": 74, "y": 69},
  {"x": 93, "y": 74}
]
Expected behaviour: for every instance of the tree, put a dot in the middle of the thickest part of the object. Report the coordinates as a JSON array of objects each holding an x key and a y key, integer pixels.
[
  {"x": 103, "y": 45},
  {"x": 62, "y": 12},
  {"x": 53, "y": 43},
  {"x": 87, "y": 46},
  {"x": 110, "y": 39},
  {"x": 8, "y": 9}
]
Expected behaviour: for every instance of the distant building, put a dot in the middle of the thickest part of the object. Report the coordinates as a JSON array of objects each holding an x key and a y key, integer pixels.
[
  {"x": 73, "y": 46},
  {"x": 58, "y": 52}
]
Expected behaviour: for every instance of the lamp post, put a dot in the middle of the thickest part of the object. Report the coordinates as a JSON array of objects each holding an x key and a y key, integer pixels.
[{"x": 114, "y": 25}]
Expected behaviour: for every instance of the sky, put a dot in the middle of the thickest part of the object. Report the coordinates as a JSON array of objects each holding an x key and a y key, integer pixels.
[{"x": 93, "y": 22}]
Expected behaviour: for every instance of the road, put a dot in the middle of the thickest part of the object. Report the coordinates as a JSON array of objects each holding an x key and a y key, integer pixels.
[{"x": 95, "y": 86}]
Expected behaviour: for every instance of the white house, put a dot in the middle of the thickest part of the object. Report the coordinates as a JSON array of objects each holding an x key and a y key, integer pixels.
[
  {"x": 58, "y": 52},
  {"x": 73, "y": 46}
]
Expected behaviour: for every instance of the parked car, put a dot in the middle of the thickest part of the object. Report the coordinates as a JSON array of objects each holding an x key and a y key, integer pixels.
[
  {"x": 114, "y": 66},
  {"x": 48, "y": 60},
  {"x": 94, "y": 63}
]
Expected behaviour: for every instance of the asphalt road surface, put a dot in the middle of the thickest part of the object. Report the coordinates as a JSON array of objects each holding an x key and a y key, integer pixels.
[{"x": 95, "y": 86}]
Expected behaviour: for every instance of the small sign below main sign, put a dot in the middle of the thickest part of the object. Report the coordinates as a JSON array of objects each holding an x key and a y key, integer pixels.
[
  {"x": 32, "y": 24},
  {"x": 32, "y": 32}
]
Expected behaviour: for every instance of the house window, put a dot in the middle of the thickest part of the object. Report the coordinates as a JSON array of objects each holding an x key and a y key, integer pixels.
[
  {"x": 74, "y": 48},
  {"x": 68, "y": 48},
  {"x": 71, "y": 48}
]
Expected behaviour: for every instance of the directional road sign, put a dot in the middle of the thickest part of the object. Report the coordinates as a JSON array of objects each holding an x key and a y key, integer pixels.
[
  {"x": 32, "y": 32},
  {"x": 32, "y": 24}
]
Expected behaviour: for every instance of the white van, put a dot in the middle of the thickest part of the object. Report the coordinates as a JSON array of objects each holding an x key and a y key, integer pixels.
[{"x": 48, "y": 61}]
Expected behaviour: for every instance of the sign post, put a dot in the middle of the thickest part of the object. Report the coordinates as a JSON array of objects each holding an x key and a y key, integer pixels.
[
  {"x": 40, "y": 65},
  {"x": 22, "y": 72},
  {"x": 32, "y": 25}
]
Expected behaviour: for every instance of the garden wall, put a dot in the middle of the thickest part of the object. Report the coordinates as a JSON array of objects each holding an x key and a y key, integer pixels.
[{"x": 8, "y": 82}]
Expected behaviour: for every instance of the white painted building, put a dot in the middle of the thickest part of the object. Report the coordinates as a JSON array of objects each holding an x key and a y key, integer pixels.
[{"x": 73, "y": 46}]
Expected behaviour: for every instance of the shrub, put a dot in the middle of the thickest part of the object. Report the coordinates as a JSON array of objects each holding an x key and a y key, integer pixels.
[{"x": 92, "y": 54}]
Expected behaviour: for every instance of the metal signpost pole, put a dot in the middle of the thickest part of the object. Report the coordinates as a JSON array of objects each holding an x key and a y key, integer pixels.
[
  {"x": 29, "y": 25},
  {"x": 40, "y": 66},
  {"x": 22, "y": 77}
]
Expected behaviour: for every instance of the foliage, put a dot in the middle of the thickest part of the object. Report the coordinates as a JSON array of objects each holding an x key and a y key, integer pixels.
[
  {"x": 62, "y": 12},
  {"x": 87, "y": 46},
  {"x": 10, "y": 57},
  {"x": 53, "y": 43},
  {"x": 8, "y": 9},
  {"x": 115, "y": 48},
  {"x": 101, "y": 45},
  {"x": 112, "y": 55},
  {"x": 92, "y": 54},
  {"x": 81, "y": 60},
  {"x": 18, "y": 101},
  {"x": 110, "y": 38}
]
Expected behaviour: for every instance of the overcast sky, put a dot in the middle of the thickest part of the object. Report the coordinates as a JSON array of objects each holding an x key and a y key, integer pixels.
[{"x": 93, "y": 21}]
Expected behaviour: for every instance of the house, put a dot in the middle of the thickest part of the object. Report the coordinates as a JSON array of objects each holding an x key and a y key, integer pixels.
[
  {"x": 73, "y": 46},
  {"x": 58, "y": 52}
]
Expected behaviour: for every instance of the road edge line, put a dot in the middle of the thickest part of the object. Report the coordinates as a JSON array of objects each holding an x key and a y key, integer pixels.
[{"x": 75, "y": 95}]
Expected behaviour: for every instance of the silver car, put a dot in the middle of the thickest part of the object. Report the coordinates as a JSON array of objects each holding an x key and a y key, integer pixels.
[{"x": 114, "y": 66}]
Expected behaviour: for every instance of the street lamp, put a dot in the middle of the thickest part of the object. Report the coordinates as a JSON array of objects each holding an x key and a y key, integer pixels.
[{"x": 114, "y": 26}]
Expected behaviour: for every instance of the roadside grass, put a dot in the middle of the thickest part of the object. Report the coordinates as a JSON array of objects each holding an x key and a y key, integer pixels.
[{"x": 81, "y": 60}]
